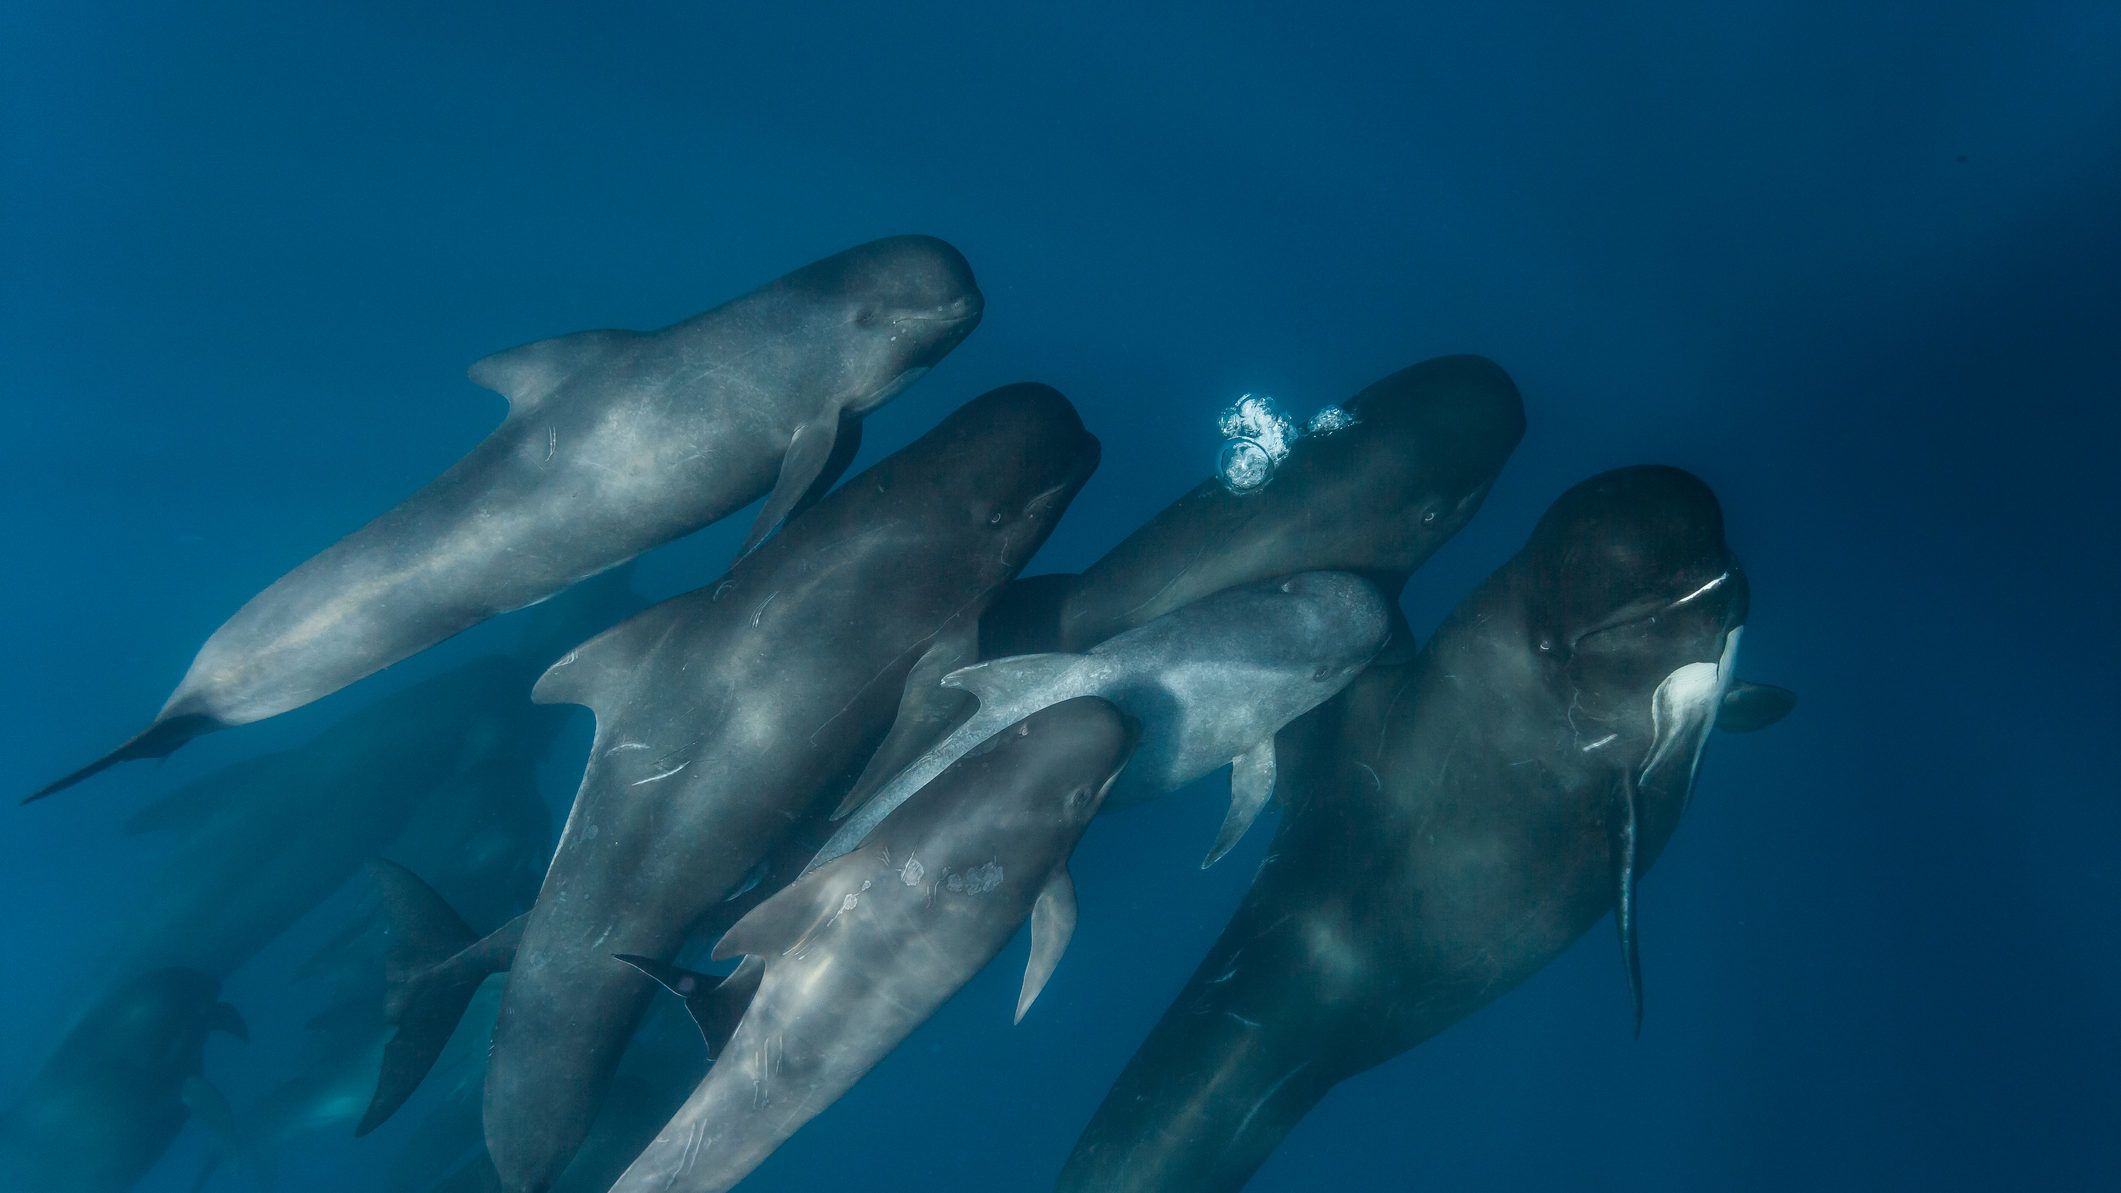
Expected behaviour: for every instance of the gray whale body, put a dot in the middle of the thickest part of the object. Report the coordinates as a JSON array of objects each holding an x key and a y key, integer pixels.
[{"x": 615, "y": 442}]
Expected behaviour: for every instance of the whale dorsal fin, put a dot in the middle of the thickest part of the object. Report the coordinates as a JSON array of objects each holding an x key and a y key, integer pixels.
[
  {"x": 1251, "y": 785},
  {"x": 1052, "y": 926},
  {"x": 526, "y": 373},
  {"x": 595, "y": 674},
  {"x": 786, "y": 922}
]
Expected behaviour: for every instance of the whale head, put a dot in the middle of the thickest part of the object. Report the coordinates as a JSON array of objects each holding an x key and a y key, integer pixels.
[
  {"x": 894, "y": 308},
  {"x": 1626, "y": 581}
]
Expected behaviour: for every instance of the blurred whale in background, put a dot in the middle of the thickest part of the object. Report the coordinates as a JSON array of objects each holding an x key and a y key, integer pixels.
[
  {"x": 615, "y": 442},
  {"x": 1456, "y": 822},
  {"x": 724, "y": 716},
  {"x": 119, "y": 1087},
  {"x": 857, "y": 954},
  {"x": 440, "y": 773}
]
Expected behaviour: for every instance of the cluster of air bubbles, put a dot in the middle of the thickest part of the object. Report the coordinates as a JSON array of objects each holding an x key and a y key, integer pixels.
[{"x": 1257, "y": 435}]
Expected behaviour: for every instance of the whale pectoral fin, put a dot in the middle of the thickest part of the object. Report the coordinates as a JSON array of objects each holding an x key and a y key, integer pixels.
[
  {"x": 785, "y": 923},
  {"x": 1052, "y": 926},
  {"x": 715, "y": 1003},
  {"x": 927, "y": 712},
  {"x": 806, "y": 472},
  {"x": 596, "y": 672},
  {"x": 1624, "y": 829},
  {"x": 526, "y": 373},
  {"x": 1750, "y": 706},
  {"x": 1251, "y": 786}
]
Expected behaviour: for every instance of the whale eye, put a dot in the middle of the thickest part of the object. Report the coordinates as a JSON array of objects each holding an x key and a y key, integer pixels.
[
  {"x": 1428, "y": 517},
  {"x": 995, "y": 518},
  {"x": 1322, "y": 671},
  {"x": 865, "y": 316},
  {"x": 1546, "y": 646}
]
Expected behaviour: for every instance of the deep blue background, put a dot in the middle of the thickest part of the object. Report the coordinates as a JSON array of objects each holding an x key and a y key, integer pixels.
[{"x": 1858, "y": 266}]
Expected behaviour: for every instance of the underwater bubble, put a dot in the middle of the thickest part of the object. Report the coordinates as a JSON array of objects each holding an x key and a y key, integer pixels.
[
  {"x": 1328, "y": 420},
  {"x": 1244, "y": 466},
  {"x": 1257, "y": 434},
  {"x": 1260, "y": 419}
]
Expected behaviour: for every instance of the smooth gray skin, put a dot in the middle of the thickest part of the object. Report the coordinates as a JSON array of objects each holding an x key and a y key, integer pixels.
[
  {"x": 1377, "y": 498},
  {"x": 725, "y": 715},
  {"x": 1208, "y": 682},
  {"x": 1458, "y": 821},
  {"x": 615, "y": 442},
  {"x": 660, "y": 1069},
  {"x": 861, "y": 952},
  {"x": 119, "y": 1087}
]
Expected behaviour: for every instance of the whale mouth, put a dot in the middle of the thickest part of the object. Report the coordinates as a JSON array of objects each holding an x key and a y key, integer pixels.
[
  {"x": 1636, "y": 612},
  {"x": 964, "y": 310}
]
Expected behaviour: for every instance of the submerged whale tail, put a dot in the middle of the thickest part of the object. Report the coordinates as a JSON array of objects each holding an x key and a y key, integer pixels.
[
  {"x": 717, "y": 1004},
  {"x": 158, "y": 740},
  {"x": 435, "y": 966}
]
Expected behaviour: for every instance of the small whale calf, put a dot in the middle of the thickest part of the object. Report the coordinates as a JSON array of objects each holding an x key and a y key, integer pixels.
[
  {"x": 615, "y": 442},
  {"x": 863, "y": 950},
  {"x": 1211, "y": 683}
]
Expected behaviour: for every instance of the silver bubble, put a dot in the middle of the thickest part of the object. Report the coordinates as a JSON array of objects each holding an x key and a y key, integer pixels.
[{"x": 1244, "y": 466}]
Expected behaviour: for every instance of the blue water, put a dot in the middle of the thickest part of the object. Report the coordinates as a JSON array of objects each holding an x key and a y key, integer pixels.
[{"x": 1857, "y": 266}]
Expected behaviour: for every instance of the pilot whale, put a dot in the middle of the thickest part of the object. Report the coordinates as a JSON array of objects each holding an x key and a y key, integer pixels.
[
  {"x": 1211, "y": 684},
  {"x": 857, "y": 954},
  {"x": 1376, "y": 497},
  {"x": 723, "y": 718},
  {"x": 1458, "y": 820},
  {"x": 615, "y": 442}
]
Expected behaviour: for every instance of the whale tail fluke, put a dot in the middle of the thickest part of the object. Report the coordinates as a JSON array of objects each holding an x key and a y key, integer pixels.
[
  {"x": 717, "y": 1004},
  {"x": 158, "y": 740},
  {"x": 435, "y": 965}
]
